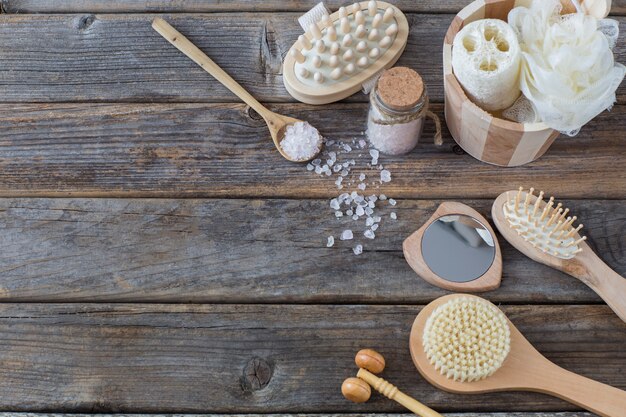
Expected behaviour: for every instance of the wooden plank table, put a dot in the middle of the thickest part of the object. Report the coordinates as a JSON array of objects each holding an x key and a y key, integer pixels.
[{"x": 158, "y": 255}]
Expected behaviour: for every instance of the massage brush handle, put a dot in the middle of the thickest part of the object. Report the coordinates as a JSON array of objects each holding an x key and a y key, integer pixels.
[
  {"x": 196, "y": 55},
  {"x": 602, "y": 399},
  {"x": 393, "y": 393},
  {"x": 608, "y": 284}
]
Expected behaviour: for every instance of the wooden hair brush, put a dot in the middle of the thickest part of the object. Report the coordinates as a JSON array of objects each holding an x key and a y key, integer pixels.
[{"x": 545, "y": 233}]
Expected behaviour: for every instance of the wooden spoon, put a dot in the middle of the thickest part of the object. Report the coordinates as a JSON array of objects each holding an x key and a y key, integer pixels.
[
  {"x": 524, "y": 369},
  {"x": 277, "y": 123},
  {"x": 586, "y": 265}
]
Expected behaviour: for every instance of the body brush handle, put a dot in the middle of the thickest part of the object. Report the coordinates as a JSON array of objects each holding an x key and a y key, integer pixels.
[
  {"x": 602, "y": 399},
  {"x": 393, "y": 393}
]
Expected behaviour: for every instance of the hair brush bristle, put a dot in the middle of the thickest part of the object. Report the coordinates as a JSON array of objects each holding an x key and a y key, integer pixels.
[
  {"x": 544, "y": 226},
  {"x": 466, "y": 339}
]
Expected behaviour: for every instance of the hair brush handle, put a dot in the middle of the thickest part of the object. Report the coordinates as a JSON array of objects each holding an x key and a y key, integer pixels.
[
  {"x": 393, "y": 393},
  {"x": 602, "y": 399},
  {"x": 608, "y": 284}
]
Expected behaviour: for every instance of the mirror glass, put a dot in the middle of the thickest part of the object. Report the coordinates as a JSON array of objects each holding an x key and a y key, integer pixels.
[{"x": 458, "y": 248}]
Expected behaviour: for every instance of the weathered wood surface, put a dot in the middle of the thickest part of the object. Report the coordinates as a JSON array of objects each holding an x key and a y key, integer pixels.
[
  {"x": 528, "y": 414},
  {"x": 247, "y": 251},
  {"x": 207, "y": 6},
  {"x": 219, "y": 150},
  {"x": 192, "y": 358},
  {"x": 120, "y": 57}
]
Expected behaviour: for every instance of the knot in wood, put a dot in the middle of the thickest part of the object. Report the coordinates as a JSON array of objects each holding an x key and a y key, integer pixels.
[
  {"x": 256, "y": 374},
  {"x": 85, "y": 21}
]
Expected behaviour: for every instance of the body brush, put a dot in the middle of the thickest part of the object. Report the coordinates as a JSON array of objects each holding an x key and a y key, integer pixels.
[
  {"x": 465, "y": 344},
  {"x": 545, "y": 233}
]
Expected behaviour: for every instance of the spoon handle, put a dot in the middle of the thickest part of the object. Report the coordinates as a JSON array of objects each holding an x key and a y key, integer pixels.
[
  {"x": 196, "y": 55},
  {"x": 602, "y": 399}
]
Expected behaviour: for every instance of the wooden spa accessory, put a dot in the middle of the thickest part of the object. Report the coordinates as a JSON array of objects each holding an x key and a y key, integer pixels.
[
  {"x": 276, "y": 123},
  {"x": 344, "y": 50},
  {"x": 358, "y": 389},
  {"x": 482, "y": 135},
  {"x": 413, "y": 253},
  {"x": 524, "y": 369},
  {"x": 556, "y": 243}
]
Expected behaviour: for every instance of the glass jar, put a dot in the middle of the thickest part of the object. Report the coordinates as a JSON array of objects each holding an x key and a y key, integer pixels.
[{"x": 398, "y": 107}]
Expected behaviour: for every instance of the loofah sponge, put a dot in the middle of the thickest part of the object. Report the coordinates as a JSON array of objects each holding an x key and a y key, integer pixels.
[
  {"x": 467, "y": 339},
  {"x": 486, "y": 60}
]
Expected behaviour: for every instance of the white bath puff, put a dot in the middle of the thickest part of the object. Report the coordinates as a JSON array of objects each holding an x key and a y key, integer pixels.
[
  {"x": 486, "y": 61},
  {"x": 568, "y": 70}
]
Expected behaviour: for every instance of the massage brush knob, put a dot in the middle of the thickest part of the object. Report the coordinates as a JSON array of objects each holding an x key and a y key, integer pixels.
[
  {"x": 371, "y": 360},
  {"x": 356, "y": 390}
]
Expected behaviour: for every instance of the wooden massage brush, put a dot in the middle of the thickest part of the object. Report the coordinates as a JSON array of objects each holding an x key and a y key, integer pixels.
[
  {"x": 344, "y": 50},
  {"x": 545, "y": 233},
  {"x": 464, "y": 344},
  {"x": 358, "y": 389}
]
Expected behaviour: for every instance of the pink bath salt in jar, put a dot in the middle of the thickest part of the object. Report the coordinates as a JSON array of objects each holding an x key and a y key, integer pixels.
[{"x": 398, "y": 107}]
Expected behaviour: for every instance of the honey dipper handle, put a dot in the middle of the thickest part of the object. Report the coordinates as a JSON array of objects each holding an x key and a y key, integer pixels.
[
  {"x": 196, "y": 55},
  {"x": 393, "y": 393},
  {"x": 599, "y": 398}
]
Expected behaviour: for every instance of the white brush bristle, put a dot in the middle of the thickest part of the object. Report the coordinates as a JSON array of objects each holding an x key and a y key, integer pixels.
[
  {"x": 545, "y": 226},
  {"x": 466, "y": 339}
]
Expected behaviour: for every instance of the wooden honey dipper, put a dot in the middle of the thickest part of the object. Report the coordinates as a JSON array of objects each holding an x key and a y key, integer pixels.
[{"x": 358, "y": 389}]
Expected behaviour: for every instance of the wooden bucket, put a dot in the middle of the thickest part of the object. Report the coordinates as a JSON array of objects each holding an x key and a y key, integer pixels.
[{"x": 485, "y": 137}]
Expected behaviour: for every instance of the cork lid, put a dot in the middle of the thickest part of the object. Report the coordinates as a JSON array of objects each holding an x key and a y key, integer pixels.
[{"x": 400, "y": 88}]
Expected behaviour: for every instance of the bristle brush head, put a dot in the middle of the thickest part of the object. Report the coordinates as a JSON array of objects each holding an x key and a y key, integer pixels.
[
  {"x": 542, "y": 224},
  {"x": 466, "y": 339}
]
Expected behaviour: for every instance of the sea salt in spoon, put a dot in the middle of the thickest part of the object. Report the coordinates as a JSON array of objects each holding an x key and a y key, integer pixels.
[{"x": 276, "y": 123}]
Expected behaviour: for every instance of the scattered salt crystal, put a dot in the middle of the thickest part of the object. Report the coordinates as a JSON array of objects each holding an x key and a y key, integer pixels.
[
  {"x": 393, "y": 215},
  {"x": 385, "y": 176},
  {"x": 382, "y": 197},
  {"x": 347, "y": 148},
  {"x": 372, "y": 198},
  {"x": 334, "y": 204},
  {"x": 369, "y": 211},
  {"x": 345, "y": 173},
  {"x": 369, "y": 222},
  {"x": 346, "y": 235},
  {"x": 371, "y": 204},
  {"x": 358, "y": 249},
  {"x": 349, "y": 213},
  {"x": 330, "y": 162},
  {"x": 346, "y": 164},
  {"x": 374, "y": 154},
  {"x": 392, "y": 202},
  {"x": 355, "y": 217},
  {"x": 338, "y": 214},
  {"x": 380, "y": 167},
  {"x": 377, "y": 219},
  {"x": 374, "y": 227},
  {"x": 362, "y": 186},
  {"x": 318, "y": 169},
  {"x": 310, "y": 167},
  {"x": 338, "y": 181},
  {"x": 369, "y": 234},
  {"x": 333, "y": 156},
  {"x": 331, "y": 242},
  {"x": 336, "y": 168},
  {"x": 301, "y": 141},
  {"x": 362, "y": 177},
  {"x": 360, "y": 211},
  {"x": 343, "y": 197},
  {"x": 362, "y": 143},
  {"x": 316, "y": 161}
]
